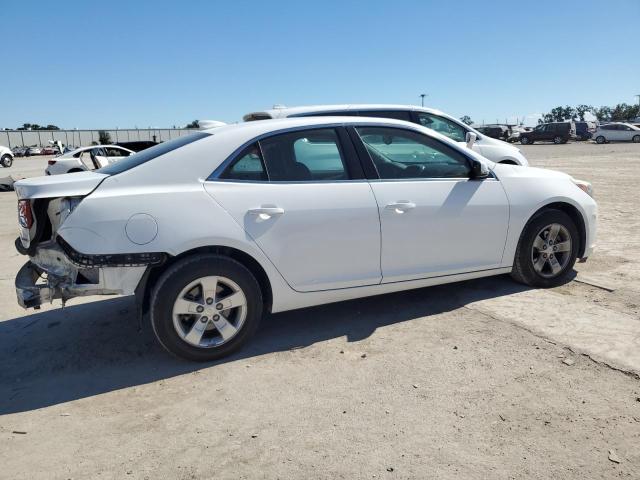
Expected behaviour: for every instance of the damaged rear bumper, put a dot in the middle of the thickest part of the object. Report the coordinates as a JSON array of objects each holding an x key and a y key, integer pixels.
[{"x": 51, "y": 274}]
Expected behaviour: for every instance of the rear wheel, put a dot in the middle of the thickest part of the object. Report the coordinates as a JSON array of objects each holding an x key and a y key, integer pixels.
[
  {"x": 6, "y": 161},
  {"x": 547, "y": 250},
  {"x": 557, "y": 140},
  {"x": 205, "y": 307},
  {"x": 636, "y": 139},
  {"x": 600, "y": 139}
]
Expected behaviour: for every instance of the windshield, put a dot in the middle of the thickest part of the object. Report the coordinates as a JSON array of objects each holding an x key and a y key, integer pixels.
[{"x": 144, "y": 156}]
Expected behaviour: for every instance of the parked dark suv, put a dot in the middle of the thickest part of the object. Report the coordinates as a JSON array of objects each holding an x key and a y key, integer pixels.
[{"x": 558, "y": 132}]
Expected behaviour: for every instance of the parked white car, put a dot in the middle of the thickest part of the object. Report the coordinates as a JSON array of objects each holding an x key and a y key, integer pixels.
[
  {"x": 617, "y": 132},
  {"x": 86, "y": 158},
  {"x": 214, "y": 229},
  {"x": 6, "y": 156},
  {"x": 491, "y": 148}
]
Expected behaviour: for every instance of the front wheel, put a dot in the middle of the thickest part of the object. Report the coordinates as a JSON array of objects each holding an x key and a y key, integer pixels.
[
  {"x": 6, "y": 161},
  {"x": 205, "y": 307},
  {"x": 547, "y": 250},
  {"x": 525, "y": 141},
  {"x": 600, "y": 139},
  {"x": 636, "y": 139}
]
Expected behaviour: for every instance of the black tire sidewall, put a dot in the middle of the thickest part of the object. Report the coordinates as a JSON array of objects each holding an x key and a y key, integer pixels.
[
  {"x": 604, "y": 140},
  {"x": 6, "y": 161},
  {"x": 544, "y": 218},
  {"x": 174, "y": 280},
  {"x": 636, "y": 139}
]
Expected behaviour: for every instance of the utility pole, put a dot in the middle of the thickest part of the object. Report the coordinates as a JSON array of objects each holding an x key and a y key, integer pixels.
[{"x": 422, "y": 95}]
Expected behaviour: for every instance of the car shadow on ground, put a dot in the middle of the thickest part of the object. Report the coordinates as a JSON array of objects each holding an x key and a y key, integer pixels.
[{"x": 61, "y": 355}]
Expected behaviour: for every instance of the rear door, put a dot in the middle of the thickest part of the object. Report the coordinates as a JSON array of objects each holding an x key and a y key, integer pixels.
[{"x": 302, "y": 197}]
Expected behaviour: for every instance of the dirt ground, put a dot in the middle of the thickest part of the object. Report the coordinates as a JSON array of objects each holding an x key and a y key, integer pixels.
[{"x": 481, "y": 379}]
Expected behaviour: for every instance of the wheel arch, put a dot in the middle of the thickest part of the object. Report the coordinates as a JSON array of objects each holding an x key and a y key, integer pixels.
[
  {"x": 153, "y": 274},
  {"x": 573, "y": 213}
]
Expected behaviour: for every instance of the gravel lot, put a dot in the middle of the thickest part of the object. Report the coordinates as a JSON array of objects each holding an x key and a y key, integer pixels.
[{"x": 482, "y": 379}]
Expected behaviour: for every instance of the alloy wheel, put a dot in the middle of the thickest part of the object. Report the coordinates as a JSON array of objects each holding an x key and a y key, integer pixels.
[
  {"x": 551, "y": 250},
  {"x": 209, "y": 311}
]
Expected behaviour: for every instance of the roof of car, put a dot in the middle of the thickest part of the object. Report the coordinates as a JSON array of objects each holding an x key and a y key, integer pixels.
[
  {"x": 282, "y": 112},
  {"x": 241, "y": 133}
]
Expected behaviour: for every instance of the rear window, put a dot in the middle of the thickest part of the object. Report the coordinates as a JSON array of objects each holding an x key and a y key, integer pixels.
[{"x": 150, "y": 153}]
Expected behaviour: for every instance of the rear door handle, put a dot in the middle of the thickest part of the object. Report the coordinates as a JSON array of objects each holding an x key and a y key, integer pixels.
[
  {"x": 400, "y": 206},
  {"x": 266, "y": 212}
]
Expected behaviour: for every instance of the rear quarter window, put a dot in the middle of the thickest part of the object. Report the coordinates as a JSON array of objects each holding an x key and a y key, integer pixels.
[{"x": 150, "y": 153}]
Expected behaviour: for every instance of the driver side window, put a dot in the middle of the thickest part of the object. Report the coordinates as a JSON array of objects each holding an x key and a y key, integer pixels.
[{"x": 399, "y": 154}]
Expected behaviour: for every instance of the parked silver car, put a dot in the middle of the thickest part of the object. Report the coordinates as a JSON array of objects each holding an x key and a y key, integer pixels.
[{"x": 617, "y": 132}]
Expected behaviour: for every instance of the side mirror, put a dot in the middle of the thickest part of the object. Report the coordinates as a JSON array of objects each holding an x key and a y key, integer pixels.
[
  {"x": 471, "y": 138},
  {"x": 479, "y": 170}
]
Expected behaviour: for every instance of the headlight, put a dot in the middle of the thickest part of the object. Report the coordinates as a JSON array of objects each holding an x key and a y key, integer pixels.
[{"x": 586, "y": 187}]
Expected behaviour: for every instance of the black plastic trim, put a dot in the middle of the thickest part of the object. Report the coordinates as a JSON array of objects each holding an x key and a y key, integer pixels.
[{"x": 110, "y": 260}]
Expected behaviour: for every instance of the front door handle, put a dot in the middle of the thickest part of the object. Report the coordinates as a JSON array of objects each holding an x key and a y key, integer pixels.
[
  {"x": 266, "y": 212},
  {"x": 400, "y": 206}
]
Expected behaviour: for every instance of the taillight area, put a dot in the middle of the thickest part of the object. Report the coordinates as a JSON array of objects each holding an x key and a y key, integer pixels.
[
  {"x": 25, "y": 215},
  {"x": 51, "y": 162}
]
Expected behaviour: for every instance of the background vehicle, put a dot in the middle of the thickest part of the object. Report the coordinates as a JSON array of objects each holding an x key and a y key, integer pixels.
[
  {"x": 52, "y": 150},
  {"x": 617, "y": 132},
  {"x": 6, "y": 156},
  {"x": 584, "y": 130},
  {"x": 501, "y": 132},
  {"x": 447, "y": 125},
  {"x": 556, "y": 132},
  {"x": 138, "y": 145},
  {"x": 266, "y": 216},
  {"x": 33, "y": 151},
  {"x": 86, "y": 158},
  {"x": 19, "y": 151}
]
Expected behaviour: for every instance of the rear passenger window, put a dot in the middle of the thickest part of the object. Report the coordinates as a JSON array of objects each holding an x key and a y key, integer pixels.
[
  {"x": 307, "y": 155},
  {"x": 248, "y": 166}
]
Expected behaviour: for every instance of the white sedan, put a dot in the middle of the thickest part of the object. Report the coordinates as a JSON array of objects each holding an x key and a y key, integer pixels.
[
  {"x": 214, "y": 229},
  {"x": 86, "y": 158},
  {"x": 617, "y": 132}
]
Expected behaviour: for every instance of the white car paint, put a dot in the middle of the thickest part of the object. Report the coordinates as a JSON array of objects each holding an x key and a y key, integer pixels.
[
  {"x": 316, "y": 241},
  {"x": 5, "y": 152},
  {"x": 86, "y": 158},
  {"x": 491, "y": 148},
  {"x": 617, "y": 132}
]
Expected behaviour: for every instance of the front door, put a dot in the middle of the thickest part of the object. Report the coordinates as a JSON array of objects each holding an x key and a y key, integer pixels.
[
  {"x": 434, "y": 219},
  {"x": 299, "y": 196}
]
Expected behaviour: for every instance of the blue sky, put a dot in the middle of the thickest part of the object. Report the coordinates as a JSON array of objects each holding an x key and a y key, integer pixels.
[{"x": 123, "y": 64}]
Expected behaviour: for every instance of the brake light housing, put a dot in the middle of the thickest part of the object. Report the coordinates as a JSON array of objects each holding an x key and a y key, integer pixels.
[
  {"x": 51, "y": 162},
  {"x": 25, "y": 214}
]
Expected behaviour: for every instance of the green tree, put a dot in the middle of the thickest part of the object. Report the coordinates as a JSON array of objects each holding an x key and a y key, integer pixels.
[
  {"x": 582, "y": 109},
  {"x": 194, "y": 124},
  {"x": 104, "y": 138},
  {"x": 603, "y": 114},
  {"x": 466, "y": 119}
]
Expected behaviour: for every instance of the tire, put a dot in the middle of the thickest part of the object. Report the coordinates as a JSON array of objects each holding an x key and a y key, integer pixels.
[
  {"x": 636, "y": 139},
  {"x": 600, "y": 139},
  {"x": 6, "y": 161},
  {"x": 176, "y": 333},
  {"x": 558, "y": 140},
  {"x": 526, "y": 265},
  {"x": 525, "y": 140}
]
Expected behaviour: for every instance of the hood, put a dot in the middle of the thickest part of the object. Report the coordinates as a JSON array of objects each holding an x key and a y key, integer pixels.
[
  {"x": 67, "y": 185},
  {"x": 502, "y": 169}
]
